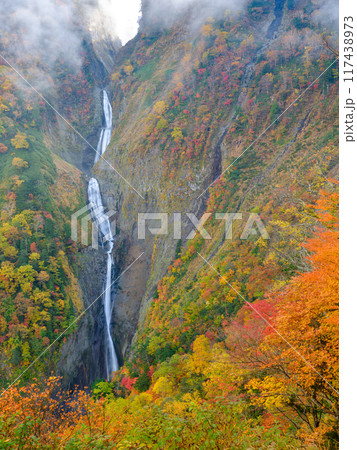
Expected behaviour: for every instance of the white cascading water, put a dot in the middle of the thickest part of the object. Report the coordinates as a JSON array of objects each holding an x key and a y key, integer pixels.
[
  {"x": 103, "y": 224},
  {"x": 106, "y": 132}
]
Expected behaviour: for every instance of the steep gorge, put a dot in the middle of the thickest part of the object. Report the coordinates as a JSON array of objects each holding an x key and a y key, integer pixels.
[
  {"x": 189, "y": 97},
  {"x": 152, "y": 74},
  {"x": 224, "y": 338}
]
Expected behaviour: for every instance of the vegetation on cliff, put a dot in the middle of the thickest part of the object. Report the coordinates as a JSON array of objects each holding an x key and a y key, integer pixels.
[
  {"x": 237, "y": 346},
  {"x": 39, "y": 293},
  {"x": 258, "y": 385}
]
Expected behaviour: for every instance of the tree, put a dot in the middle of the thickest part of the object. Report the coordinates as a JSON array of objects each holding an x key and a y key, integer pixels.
[
  {"x": 19, "y": 141},
  {"x": 162, "y": 124},
  {"x": 43, "y": 277},
  {"x": 201, "y": 355},
  {"x": 129, "y": 69},
  {"x": 177, "y": 135},
  {"x": 293, "y": 363},
  {"x": 207, "y": 30},
  {"x": 3, "y": 148},
  {"x": 274, "y": 111},
  {"x": 160, "y": 108},
  {"x": 42, "y": 415},
  {"x": 16, "y": 181},
  {"x": 19, "y": 163},
  {"x": 266, "y": 82}
]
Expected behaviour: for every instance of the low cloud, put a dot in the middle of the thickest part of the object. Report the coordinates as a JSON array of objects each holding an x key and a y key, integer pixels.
[
  {"x": 163, "y": 13},
  {"x": 44, "y": 30},
  {"x": 327, "y": 14}
]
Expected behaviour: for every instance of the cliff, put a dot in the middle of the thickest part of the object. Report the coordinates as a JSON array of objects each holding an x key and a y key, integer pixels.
[
  {"x": 188, "y": 100},
  {"x": 248, "y": 93}
]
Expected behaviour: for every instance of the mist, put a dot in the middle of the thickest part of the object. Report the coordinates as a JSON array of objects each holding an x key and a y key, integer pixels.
[
  {"x": 42, "y": 30},
  {"x": 163, "y": 13},
  {"x": 122, "y": 16},
  {"x": 327, "y": 14},
  {"x": 37, "y": 34}
]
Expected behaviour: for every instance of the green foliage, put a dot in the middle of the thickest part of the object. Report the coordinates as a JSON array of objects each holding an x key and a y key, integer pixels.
[
  {"x": 103, "y": 389},
  {"x": 300, "y": 23},
  {"x": 142, "y": 384},
  {"x": 184, "y": 388},
  {"x": 35, "y": 274},
  {"x": 146, "y": 71},
  {"x": 274, "y": 111}
]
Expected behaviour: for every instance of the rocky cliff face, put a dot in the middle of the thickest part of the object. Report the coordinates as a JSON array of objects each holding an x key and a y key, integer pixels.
[
  {"x": 82, "y": 356},
  {"x": 188, "y": 98},
  {"x": 158, "y": 72}
]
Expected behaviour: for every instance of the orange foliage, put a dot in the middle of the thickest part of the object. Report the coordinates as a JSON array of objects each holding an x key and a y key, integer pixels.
[
  {"x": 3, "y": 148},
  {"x": 291, "y": 357},
  {"x": 45, "y": 417}
]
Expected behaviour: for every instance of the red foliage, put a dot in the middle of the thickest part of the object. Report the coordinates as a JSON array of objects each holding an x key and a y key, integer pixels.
[
  {"x": 128, "y": 383},
  {"x": 33, "y": 247},
  {"x": 3, "y": 148}
]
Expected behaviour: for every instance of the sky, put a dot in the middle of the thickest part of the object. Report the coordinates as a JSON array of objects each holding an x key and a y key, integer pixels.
[{"x": 124, "y": 15}]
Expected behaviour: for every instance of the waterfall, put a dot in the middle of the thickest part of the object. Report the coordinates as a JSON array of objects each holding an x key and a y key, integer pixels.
[
  {"x": 102, "y": 222},
  {"x": 106, "y": 132}
]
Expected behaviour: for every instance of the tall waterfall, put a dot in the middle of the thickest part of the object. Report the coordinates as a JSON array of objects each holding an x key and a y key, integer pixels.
[
  {"x": 102, "y": 222},
  {"x": 106, "y": 132}
]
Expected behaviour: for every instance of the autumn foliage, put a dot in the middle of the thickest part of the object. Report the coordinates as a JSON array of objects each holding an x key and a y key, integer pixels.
[
  {"x": 287, "y": 344},
  {"x": 272, "y": 379},
  {"x": 245, "y": 359}
]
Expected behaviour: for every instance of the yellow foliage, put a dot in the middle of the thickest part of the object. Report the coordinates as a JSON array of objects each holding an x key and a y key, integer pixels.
[
  {"x": 6, "y": 86},
  {"x": 176, "y": 407},
  {"x": 19, "y": 141},
  {"x": 128, "y": 69},
  {"x": 141, "y": 400},
  {"x": 19, "y": 163},
  {"x": 43, "y": 276},
  {"x": 34, "y": 257},
  {"x": 115, "y": 76},
  {"x": 154, "y": 344},
  {"x": 16, "y": 181},
  {"x": 272, "y": 392},
  {"x": 160, "y": 108},
  {"x": 223, "y": 376},
  {"x": 177, "y": 135},
  {"x": 201, "y": 356},
  {"x": 10, "y": 252},
  {"x": 207, "y": 30},
  {"x": 3, "y": 107},
  {"x": 164, "y": 387},
  {"x": 162, "y": 124}
]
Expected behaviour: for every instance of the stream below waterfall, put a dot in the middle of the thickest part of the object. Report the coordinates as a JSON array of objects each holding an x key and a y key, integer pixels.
[{"x": 102, "y": 222}]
